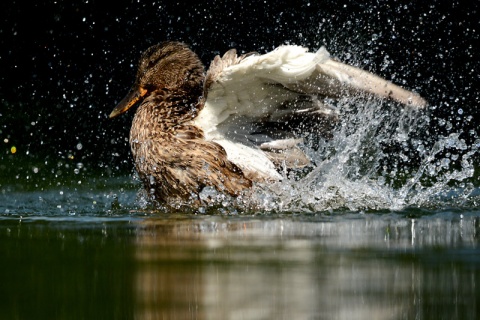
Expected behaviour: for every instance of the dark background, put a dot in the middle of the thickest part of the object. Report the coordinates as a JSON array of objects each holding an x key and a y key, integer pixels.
[{"x": 64, "y": 65}]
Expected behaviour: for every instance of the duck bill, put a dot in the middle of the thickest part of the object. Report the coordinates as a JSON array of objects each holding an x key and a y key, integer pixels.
[{"x": 135, "y": 95}]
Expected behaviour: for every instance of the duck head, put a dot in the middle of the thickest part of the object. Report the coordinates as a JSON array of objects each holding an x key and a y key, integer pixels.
[{"x": 168, "y": 65}]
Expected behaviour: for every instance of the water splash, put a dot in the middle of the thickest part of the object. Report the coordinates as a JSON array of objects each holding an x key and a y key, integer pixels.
[{"x": 380, "y": 158}]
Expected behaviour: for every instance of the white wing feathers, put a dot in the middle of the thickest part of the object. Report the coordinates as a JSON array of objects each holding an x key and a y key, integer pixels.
[
  {"x": 363, "y": 81},
  {"x": 242, "y": 92}
]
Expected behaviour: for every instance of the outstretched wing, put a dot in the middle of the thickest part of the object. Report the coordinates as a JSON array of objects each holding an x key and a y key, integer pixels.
[
  {"x": 256, "y": 105},
  {"x": 334, "y": 79}
]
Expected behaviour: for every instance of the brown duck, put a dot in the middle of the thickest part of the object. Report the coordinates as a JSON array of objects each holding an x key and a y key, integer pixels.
[{"x": 238, "y": 123}]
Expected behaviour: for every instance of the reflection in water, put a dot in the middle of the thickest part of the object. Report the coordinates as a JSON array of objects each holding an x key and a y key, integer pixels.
[
  {"x": 240, "y": 267},
  {"x": 360, "y": 268}
]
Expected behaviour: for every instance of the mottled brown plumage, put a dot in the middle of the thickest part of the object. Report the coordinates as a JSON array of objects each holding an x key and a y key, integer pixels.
[{"x": 171, "y": 157}]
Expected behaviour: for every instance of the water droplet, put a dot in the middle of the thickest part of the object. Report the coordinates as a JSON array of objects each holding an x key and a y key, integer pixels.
[{"x": 152, "y": 180}]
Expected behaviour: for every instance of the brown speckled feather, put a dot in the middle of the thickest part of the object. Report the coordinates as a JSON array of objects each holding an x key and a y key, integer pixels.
[{"x": 171, "y": 156}]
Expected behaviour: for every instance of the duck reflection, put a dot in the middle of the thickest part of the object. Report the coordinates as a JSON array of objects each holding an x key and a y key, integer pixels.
[
  {"x": 241, "y": 267},
  {"x": 217, "y": 268}
]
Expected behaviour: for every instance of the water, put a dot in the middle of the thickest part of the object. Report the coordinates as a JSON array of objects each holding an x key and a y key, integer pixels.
[
  {"x": 114, "y": 264},
  {"x": 367, "y": 233},
  {"x": 385, "y": 225},
  {"x": 378, "y": 159}
]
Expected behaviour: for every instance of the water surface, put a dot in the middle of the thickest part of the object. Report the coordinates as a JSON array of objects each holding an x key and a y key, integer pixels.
[
  {"x": 69, "y": 254},
  {"x": 384, "y": 225}
]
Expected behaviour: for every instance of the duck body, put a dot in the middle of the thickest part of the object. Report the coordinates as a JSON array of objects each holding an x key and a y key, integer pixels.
[
  {"x": 171, "y": 156},
  {"x": 239, "y": 122}
]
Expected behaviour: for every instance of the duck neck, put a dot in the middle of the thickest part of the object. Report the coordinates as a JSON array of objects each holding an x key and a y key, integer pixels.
[{"x": 162, "y": 112}]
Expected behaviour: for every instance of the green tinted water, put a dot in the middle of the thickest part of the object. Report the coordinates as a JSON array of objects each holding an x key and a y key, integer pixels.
[{"x": 66, "y": 253}]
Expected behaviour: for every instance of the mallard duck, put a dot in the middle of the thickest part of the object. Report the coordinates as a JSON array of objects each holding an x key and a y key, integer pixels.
[{"x": 238, "y": 123}]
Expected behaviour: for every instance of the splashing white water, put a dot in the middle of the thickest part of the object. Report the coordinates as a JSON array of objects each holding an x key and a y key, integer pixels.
[{"x": 358, "y": 170}]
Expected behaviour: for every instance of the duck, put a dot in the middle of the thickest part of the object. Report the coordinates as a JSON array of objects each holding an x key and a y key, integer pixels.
[{"x": 239, "y": 123}]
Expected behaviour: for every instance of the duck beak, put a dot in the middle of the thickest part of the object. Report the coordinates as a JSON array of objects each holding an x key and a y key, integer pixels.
[{"x": 136, "y": 94}]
